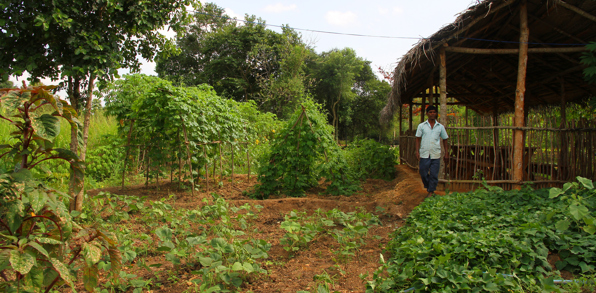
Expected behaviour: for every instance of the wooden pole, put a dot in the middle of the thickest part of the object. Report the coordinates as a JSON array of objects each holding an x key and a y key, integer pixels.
[
  {"x": 443, "y": 86},
  {"x": 400, "y": 120},
  {"x": 423, "y": 109},
  {"x": 562, "y": 136},
  {"x": 127, "y": 152},
  {"x": 482, "y": 51},
  {"x": 443, "y": 101},
  {"x": 206, "y": 169},
  {"x": 411, "y": 118},
  {"x": 192, "y": 180},
  {"x": 518, "y": 137}
]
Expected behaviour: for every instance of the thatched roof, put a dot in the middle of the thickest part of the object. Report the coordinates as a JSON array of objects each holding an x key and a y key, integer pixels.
[{"x": 487, "y": 82}]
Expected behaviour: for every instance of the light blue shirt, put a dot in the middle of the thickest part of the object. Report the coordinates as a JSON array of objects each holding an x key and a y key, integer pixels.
[{"x": 430, "y": 146}]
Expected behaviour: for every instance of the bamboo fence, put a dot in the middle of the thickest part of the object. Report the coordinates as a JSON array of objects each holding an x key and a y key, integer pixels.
[{"x": 554, "y": 152}]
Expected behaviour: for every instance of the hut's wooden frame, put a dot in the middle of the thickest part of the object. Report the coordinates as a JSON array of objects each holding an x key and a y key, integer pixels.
[{"x": 476, "y": 65}]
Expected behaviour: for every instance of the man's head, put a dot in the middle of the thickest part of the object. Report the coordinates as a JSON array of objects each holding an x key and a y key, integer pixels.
[{"x": 432, "y": 112}]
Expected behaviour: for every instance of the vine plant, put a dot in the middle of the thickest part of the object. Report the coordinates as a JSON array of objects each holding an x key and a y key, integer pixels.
[{"x": 302, "y": 152}]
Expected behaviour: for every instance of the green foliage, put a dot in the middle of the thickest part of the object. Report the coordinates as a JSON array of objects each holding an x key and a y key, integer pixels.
[
  {"x": 41, "y": 244},
  {"x": 33, "y": 138},
  {"x": 492, "y": 240},
  {"x": 75, "y": 38},
  {"x": 302, "y": 229},
  {"x": 231, "y": 57},
  {"x": 589, "y": 59},
  {"x": 166, "y": 117},
  {"x": 302, "y": 152},
  {"x": 370, "y": 159},
  {"x": 106, "y": 159}
]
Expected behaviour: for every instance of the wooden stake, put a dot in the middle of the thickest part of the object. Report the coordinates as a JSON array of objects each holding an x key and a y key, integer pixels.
[
  {"x": 127, "y": 152},
  {"x": 192, "y": 180},
  {"x": 206, "y": 169},
  {"x": 518, "y": 141}
]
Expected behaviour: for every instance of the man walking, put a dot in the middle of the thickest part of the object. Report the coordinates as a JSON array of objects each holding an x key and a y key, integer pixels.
[{"x": 428, "y": 149}]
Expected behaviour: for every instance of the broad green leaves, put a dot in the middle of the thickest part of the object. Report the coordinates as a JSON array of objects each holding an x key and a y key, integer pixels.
[
  {"x": 303, "y": 152},
  {"x": 41, "y": 243},
  {"x": 487, "y": 233},
  {"x": 34, "y": 132}
]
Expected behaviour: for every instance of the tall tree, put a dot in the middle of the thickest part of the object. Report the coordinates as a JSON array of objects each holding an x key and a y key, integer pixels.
[
  {"x": 227, "y": 55},
  {"x": 82, "y": 41},
  {"x": 335, "y": 73}
]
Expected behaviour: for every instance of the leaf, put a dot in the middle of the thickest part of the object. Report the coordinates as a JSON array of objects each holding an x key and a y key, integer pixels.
[
  {"x": 46, "y": 126},
  {"x": 22, "y": 175},
  {"x": 554, "y": 192},
  {"x": 578, "y": 211},
  {"x": 90, "y": 277},
  {"x": 37, "y": 199},
  {"x": 63, "y": 271},
  {"x": 248, "y": 267},
  {"x": 46, "y": 240},
  {"x": 21, "y": 262},
  {"x": 562, "y": 225},
  {"x": 91, "y": 253},
  {"x": 587, "y": 183},
  {"x": 237, "y": 267},
  {"x": 39, "y": 248},
  {"x": 590, "y": 229},
  {"x": 164, "y": 234}
]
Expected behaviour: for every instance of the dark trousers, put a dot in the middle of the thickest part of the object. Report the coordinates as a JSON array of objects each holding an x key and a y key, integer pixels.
[{"x": 429, "y": 171}]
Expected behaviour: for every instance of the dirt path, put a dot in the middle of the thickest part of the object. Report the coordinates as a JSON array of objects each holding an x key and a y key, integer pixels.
[{"x": 392, "y": 201}]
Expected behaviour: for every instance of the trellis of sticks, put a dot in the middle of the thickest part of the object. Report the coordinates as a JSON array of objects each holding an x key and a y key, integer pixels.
[{"x": 184, "y": 164}]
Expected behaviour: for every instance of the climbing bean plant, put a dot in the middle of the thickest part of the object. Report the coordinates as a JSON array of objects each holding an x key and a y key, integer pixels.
[
  {"x": 172, "y": 125},
  {"x": 301, "y": 153}
]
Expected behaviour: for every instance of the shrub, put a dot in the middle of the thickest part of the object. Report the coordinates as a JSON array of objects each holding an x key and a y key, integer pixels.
[{"x": 370, "y": 159}]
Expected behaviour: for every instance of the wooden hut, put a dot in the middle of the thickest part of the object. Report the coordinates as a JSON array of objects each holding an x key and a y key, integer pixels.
[{"x": 501, "y": 58}]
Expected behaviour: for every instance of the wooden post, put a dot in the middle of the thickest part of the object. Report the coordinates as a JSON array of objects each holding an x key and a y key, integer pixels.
[
  {"x": 518, "y": 134},
  {"x": 186, "y": 142},
  {"x": 443, "y": 86},
  {"x": 127, "y": 152},
  {"x": 562, "y": 163},
  {"x": 206, "y": 168},
  {"x": 400, "y": 119},
  {"x": 443, "y": 100},
  {"x": 423, "y": 109},
  {"x": 411, "y": 118}
]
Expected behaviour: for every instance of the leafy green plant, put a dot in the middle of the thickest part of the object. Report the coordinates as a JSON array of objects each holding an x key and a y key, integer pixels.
[
  {"x": 36, "y": 130},
  {"x": 491, "y": 240},
  {"x": 302, "y": 152},
  {"x": 298, "y": 234},
  {"x": 41, "y": 244},
  {"x": 370, "y": 159}
]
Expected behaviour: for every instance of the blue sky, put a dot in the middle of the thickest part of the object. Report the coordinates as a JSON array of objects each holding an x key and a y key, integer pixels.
[{"x": 401, "y": 18}]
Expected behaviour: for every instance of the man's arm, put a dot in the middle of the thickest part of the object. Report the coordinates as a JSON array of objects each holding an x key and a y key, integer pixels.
[
  {"x": 446, "y": 148},
  {"x": 418, "y": 140}
]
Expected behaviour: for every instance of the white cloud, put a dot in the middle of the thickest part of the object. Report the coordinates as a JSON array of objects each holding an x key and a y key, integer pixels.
[
  {"x": 233, "y": 14},
  {"x": 277, "y": 8},
  {"x": 383, "y": 10},
  {"x": 341, "y": 18},
  {"x": 397, "y": 10}
]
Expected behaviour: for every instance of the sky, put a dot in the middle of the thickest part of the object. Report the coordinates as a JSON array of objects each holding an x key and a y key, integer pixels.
[{"x": 404, "y": 20}]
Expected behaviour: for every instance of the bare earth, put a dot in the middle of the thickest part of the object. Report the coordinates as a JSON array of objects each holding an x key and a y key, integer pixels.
[{"x": 391, "y": 201}]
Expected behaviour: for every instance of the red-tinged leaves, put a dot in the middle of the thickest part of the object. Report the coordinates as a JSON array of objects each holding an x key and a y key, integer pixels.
[
  {"x": 21, "y": 262},
  {"x": 90, "y": 277},
  {"x": 91, "y": 253},
  {"x": 62, "y": 269},
  {"x": 115, "y": 259}
]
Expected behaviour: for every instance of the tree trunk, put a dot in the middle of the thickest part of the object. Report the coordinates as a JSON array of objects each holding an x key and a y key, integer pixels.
[{"x": 76, "y": 202}]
